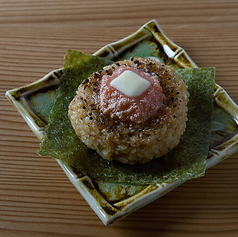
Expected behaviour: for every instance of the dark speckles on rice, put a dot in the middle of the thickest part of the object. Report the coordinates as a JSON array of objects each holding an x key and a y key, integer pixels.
[{"x": 127, "y": 142}]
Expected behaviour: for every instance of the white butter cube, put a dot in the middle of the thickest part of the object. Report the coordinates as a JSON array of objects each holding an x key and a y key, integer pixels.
[{"x": 130, "y": 83}]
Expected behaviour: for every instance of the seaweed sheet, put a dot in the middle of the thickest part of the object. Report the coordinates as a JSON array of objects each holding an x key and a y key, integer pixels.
[{"x": 185, "y": 161}]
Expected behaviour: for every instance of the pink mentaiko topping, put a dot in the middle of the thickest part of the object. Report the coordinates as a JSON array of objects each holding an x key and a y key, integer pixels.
[{"x": 136, "y": 109}]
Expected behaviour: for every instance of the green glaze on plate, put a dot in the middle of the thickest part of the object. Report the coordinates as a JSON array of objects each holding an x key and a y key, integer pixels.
[
  {"x": 128, "y": 198},
  {"x": 43, "y": 102}
]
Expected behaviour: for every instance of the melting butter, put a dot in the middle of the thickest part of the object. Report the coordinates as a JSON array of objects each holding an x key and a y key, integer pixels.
[{"x": 130, "y": 83}]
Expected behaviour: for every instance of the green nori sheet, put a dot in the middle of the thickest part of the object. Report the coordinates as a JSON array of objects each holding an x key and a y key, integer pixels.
[{"x": 185, "y": 161}]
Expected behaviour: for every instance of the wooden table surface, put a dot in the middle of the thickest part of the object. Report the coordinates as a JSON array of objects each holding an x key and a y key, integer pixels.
[{"x": 36, "y": 198}]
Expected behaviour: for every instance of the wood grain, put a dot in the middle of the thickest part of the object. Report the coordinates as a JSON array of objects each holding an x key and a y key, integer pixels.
[{"x": 36, "y": 198}]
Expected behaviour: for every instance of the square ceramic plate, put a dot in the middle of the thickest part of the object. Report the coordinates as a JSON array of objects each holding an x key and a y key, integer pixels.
[{"x": 112, "y": 202}]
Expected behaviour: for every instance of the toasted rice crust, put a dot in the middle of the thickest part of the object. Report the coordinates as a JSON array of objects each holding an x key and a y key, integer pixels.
[{"x": 126, "y": 142}]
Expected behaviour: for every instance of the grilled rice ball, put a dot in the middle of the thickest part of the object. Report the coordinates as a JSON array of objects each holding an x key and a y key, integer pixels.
[{"x": 131, "y": 129}]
